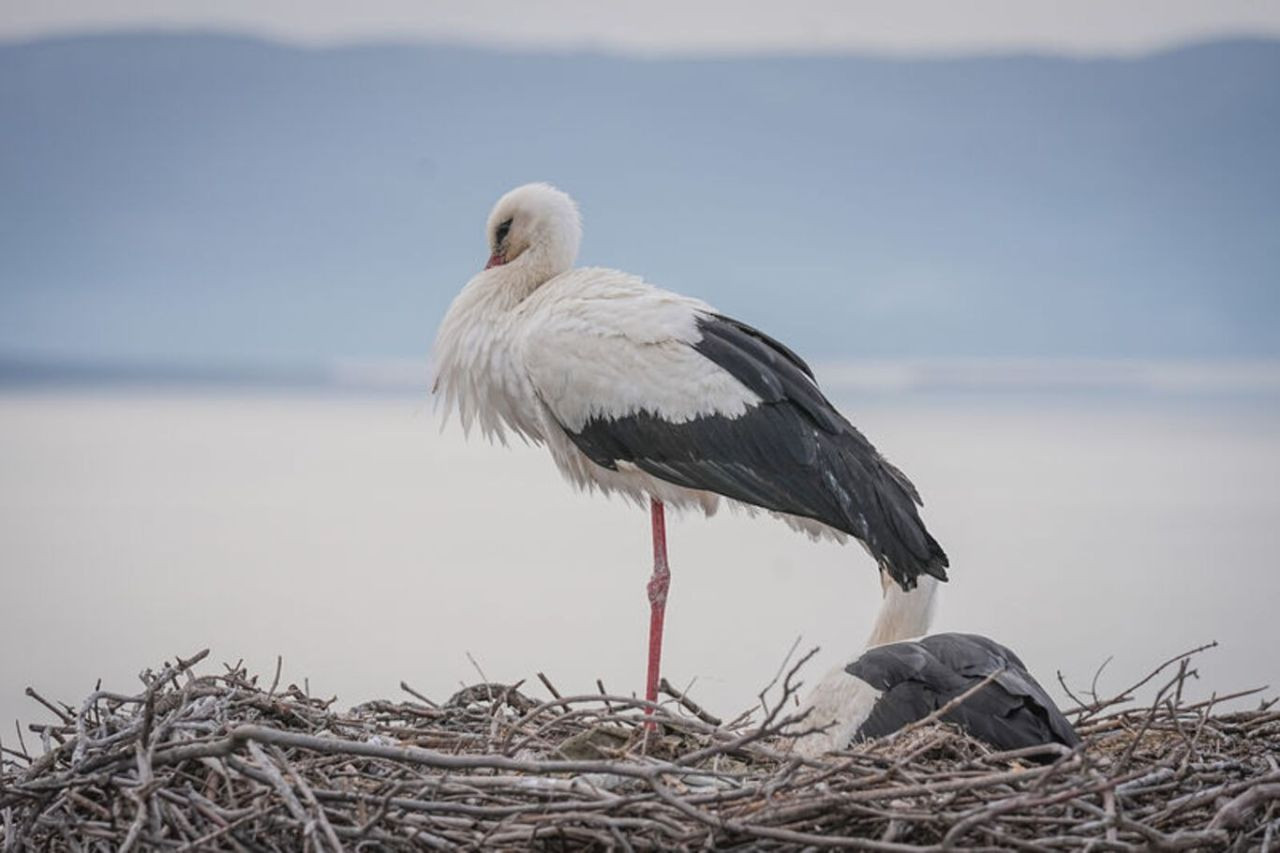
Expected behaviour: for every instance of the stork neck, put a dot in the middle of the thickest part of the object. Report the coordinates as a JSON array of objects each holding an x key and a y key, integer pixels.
[
  {"x": 904, "y": 615},
  {"x": 532, "y": 269}
]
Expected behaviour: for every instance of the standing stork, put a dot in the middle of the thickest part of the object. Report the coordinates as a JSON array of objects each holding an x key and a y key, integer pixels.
[{"x": 659, "y": 398}]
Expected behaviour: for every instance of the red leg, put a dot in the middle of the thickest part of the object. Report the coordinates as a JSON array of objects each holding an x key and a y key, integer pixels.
[{"x": 658, "y": 584}]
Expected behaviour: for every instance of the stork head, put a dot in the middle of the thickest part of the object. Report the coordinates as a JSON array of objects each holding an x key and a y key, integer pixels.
[{"x": 537, "y": 226}]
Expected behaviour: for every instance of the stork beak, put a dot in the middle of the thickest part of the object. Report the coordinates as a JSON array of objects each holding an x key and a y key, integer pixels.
[{"x": 495, "y": 260}]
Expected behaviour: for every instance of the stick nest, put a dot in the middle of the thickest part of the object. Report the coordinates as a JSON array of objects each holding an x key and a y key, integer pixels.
[{"x": 214, "y": 762}]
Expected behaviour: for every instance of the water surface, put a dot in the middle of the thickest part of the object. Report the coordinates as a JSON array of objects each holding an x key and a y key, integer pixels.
[{"x": 352, "y": 537}]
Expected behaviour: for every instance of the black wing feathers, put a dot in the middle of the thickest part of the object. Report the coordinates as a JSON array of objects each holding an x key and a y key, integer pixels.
[
  {"x": 917, "y": 678},
  {"x": 793, "y": 453}
]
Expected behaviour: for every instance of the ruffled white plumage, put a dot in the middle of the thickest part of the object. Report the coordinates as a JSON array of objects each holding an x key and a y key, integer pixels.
[
  {"x": 476, "y": 368},
  {"x": 590, "y": 342},
  {"x": 601, "y": 343}
]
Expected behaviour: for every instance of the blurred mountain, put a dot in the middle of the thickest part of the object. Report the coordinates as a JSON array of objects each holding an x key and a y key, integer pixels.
[{"x": 214, "y": 198}]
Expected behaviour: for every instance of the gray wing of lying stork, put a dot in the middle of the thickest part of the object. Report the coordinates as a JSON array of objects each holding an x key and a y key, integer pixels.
[
  {"x": 792, "y": 452},
  {"x": 917, "y": 678}
]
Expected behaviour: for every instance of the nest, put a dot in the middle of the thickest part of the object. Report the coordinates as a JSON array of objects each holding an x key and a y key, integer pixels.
[{"x": 212, "y": 762}]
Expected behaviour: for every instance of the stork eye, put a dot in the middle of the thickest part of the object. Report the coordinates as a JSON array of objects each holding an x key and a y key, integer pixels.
[{"x": 501, "y": 233}]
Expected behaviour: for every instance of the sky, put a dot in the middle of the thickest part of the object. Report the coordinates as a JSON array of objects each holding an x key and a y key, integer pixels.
[{"x": 916, "y": 27}]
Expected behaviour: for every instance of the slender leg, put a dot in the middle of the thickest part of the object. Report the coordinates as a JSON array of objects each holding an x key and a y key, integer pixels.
[{"x": 658, "y": 584}]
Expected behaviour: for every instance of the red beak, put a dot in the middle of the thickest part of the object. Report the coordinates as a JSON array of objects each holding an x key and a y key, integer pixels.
[{"x": 495, "y": 260}]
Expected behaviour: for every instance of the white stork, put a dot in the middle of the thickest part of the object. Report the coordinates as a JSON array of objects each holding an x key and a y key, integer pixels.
[
  {"x": 659, "y": 398},
  {"x": 897, "y": 681}
]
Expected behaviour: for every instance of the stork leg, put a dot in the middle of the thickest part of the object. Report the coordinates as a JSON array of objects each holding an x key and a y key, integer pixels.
[{"x": 658, "y": 583}]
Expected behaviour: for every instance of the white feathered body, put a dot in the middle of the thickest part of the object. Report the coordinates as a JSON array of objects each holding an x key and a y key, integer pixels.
[{"x": 590, "y": 342}]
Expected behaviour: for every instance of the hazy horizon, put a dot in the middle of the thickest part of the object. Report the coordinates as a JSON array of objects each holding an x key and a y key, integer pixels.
[
  {"x": 714, "y": 27},
  {"x": 604, "y": 50}
]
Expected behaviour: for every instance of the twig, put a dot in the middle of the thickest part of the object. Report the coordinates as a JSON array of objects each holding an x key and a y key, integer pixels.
[
  {"x": 688, "y": 704},
  {"x": 416, "y": 695},
  {"x": 551, "y": 688},
  {"x": 61, "y": 714}
]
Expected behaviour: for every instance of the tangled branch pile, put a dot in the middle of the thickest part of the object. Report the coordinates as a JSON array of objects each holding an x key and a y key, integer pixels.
[{"x": 218, "y": 762}]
